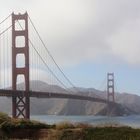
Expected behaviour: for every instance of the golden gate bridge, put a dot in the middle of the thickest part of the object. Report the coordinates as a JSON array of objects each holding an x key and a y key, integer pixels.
[{"x": 25, "y": 57}]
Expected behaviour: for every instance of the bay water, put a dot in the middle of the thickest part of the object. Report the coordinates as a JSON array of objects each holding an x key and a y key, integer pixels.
[{"x": 132, "y": 121}]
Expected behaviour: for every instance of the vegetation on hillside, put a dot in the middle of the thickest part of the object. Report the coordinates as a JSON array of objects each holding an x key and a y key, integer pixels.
[
  {"x": 7, "y": 122},
  {"x": 10, "y": 126},
  {"x": 26, "y": 129}
]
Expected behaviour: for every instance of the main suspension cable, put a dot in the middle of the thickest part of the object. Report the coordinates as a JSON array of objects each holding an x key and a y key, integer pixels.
[
  {"x": 5, "y": 19},
  {"x": 5, "y": 30},
  {"x": 44, "y": 61},
  {"x": 51, "y": 55},
  {"x": 46, "y": 65}
]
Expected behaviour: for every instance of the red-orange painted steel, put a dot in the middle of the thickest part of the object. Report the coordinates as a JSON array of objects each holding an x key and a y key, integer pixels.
[
  {"x": 110, "y": 87},
  {"x": 20, "y": 105},
  {"x": 39, "y": 94}
]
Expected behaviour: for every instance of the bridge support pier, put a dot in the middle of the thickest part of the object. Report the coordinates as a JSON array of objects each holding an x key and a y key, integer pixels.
[{"x": 20, "y": 104}]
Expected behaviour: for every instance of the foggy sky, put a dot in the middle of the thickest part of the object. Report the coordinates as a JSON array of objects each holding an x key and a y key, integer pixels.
[
  {"x": 82, "y": 31},
  {"x": 85, "y": 29}
]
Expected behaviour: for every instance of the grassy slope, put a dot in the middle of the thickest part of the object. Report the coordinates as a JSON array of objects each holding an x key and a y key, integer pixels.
[
  {"x": 95, "y": 133},
  {"x": 20, "y": 128}
]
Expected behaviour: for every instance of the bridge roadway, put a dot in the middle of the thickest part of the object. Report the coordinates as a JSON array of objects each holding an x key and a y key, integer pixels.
[{"x": 38, "y": 94}]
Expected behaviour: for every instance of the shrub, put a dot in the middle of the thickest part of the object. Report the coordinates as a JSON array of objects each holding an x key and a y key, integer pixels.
[
  {"x": 64, "y": 125},
  {"x": 83, "y": 125},
  {"x": 11, "y": 124},
  {"x": 4, "y": 117}
]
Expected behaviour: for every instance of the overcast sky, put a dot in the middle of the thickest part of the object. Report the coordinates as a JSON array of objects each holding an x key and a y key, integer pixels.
[{"x": 89, "y": 38}]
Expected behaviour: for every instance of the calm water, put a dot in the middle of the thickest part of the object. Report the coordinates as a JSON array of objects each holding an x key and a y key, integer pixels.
[{"x": 133, "y": 121}]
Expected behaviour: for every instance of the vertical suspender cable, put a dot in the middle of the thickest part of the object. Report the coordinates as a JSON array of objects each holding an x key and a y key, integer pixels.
[
  {"x": 0, "y": 60},
  {"x": 52, "y": 57},
  {"x": 4, "y": 58}
]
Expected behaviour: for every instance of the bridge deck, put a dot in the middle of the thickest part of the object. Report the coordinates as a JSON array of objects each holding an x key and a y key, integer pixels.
[{"x": 38, "y": 94}]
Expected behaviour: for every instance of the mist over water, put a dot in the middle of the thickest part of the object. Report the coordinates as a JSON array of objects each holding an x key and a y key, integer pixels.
[{"x": 132, "y": 121}]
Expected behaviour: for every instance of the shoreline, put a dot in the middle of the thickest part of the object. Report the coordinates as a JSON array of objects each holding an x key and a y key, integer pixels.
[{"x": 34, "y": 130}]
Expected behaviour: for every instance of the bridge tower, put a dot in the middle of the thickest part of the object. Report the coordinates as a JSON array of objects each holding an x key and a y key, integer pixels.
[
  {"x": 20, "y": 104},
  {"x": 110, "y": 87}
]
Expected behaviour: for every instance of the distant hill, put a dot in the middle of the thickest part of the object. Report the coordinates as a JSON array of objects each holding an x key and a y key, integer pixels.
[
  {"x": 130, "y": 103},
  {"x": 115, "y": 110}
]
